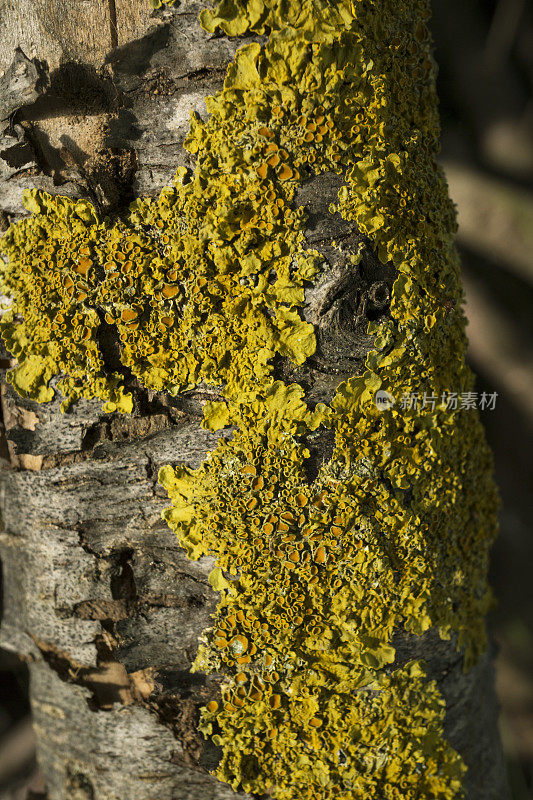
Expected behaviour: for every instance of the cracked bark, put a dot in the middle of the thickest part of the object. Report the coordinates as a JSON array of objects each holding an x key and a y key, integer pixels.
[{"x": 98, "y": 597}]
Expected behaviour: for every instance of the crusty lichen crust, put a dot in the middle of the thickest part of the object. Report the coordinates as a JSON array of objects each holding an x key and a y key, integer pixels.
[{"x": 206, "y": 283}]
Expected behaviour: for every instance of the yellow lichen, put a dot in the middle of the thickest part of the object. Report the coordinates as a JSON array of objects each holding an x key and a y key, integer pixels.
[
  {"x": 206, "y": 283},
  {"x": 193, "y": 273},
  {"x": 395, "y": 530},
  {"x": 161, "y": 3}
]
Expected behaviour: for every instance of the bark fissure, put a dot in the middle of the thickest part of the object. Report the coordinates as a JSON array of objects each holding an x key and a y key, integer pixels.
[{"x": 113, "y": 30}]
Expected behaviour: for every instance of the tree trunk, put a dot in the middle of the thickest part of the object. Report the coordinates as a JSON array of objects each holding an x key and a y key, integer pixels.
[{"x": 99, "y": 598}]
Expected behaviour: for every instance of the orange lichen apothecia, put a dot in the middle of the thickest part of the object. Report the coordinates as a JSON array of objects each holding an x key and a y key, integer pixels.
[{"x": 206, "y": 283}]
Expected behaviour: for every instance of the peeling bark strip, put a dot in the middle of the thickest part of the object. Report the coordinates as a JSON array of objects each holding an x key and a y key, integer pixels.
[{"x": 101, "y": 599}]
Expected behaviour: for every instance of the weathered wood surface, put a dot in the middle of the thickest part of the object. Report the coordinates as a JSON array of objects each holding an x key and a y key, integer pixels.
[{"x": 99, "y": 598}]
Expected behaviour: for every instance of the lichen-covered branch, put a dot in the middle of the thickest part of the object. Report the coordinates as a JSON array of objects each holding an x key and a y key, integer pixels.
[{"x": 340, "y": 530}]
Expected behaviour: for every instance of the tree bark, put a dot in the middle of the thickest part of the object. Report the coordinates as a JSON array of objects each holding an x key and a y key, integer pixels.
[{"x": 99, "y": 599}]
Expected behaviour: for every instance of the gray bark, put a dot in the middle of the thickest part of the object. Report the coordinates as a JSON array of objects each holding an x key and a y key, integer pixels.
[{"x": 99, "y": 599}]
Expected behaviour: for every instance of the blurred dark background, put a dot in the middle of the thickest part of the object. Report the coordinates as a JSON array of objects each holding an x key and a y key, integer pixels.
[{"x": 484, "y": 49}]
